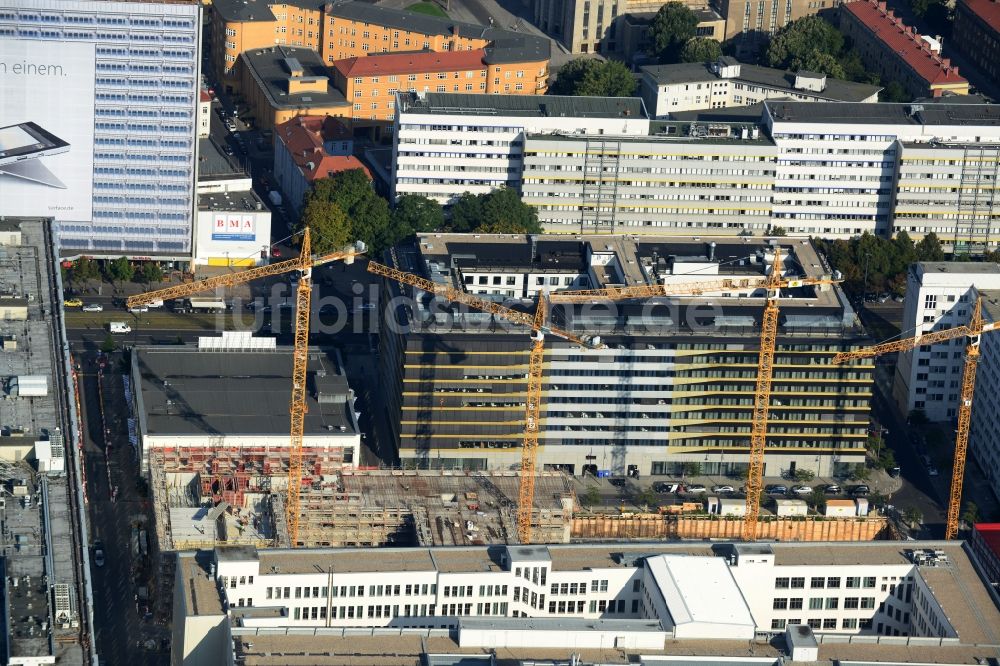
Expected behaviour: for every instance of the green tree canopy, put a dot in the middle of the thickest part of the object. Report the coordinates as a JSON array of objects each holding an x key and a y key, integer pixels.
[
  {"x": 894, "y": 92},
  {"x": 671, "y": 28},
  {"x": 328, "y": 224},
  {"x": 151, "y": 272},
  {"x": 120, "y": 270},
  {"x": 85, "y": 269},
  {"x": 595, "y": 78},
  {"x": 504, "y": 212},
  {"x": 820, "y": 62},
  {"x": 415, "y": 213},
  {"x": 701, "y": 49},
  {"x": 929, "y": 248},
  {"x": 367, "y": 213},
  {"x": 800, "y": 38},
  {"x": 466, "y": 212}
]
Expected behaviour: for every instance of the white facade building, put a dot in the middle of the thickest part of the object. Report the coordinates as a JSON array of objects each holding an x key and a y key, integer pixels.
[
  {"x": 827, "y": 169},
  {"x": 938, "y": 295},
  {"x": 445, "y": 144},
  {"x": 693, "y": 86},
  {"x": 526, "y": 596}
]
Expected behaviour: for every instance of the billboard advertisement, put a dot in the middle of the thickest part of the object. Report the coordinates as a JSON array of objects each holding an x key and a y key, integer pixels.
[
  {"x": 46, "y": 129},
  {"x": 234, "y": 227}
]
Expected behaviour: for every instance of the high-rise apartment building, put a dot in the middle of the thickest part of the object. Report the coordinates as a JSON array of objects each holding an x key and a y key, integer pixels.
[
  {"x": 115, "y": 85},
  {"x": 672, "y": 383},
  {"x": 828, "y": 169}
]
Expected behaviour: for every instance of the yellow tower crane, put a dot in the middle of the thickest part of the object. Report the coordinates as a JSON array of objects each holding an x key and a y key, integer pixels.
[
  {"x": 536, "y": 323},
  {"x": 305, "y": 262},
  {"x": 773, "y": 284},
  {"x": 973, "y": 331}
]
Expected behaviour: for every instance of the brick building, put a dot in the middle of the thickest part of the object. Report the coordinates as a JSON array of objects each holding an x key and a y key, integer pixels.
[{"x": 898, "y": 52}]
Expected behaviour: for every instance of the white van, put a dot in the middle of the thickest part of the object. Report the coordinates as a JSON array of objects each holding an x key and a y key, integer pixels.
[{"x": 119, "y": 327}]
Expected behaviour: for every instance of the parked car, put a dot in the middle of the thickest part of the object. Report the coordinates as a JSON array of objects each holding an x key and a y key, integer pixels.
[
  {"x": 93, "y": 307},
  {"x": 72, "y": 302},
  {"x": 617, "y": 482},
  {"x": 99, "y": 553},
  {"x": 723, "y": 490},
  {"x": 832, "y": 489},
  {"x": 895, "y": 472},
  {"x": 139, "y": 309},
  {"x": 860, "y": 491},
  {"x": 776, "y": 489},
  {"x": 275, "y": 252},
  {"x": 932, "y": 471},
  {"x": 696, "y": 488},
  {"x": 801, "y": 490},
  {"x": 664, "y": 487}
]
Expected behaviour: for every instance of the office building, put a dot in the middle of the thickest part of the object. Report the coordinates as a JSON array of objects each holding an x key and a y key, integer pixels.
[
  {"x": 126, "y": 106},
  {"x": 521, "y": 602},
  {"x": 792, "y": 169},
  {"x": 976, "y": 33},
  {"x": 670, "y": 89},
  {"x": 667, "y": 387},
  {"x": 633, "y": 41},
  {"x": 307, "y": 148},
  {"x": 984, "y": 549},
  {"x": 349, "y": 29},
  {"x": 938, "y": 295},
  {"x": 899, "y": 53},
  {"x": 490, "y": 130}
]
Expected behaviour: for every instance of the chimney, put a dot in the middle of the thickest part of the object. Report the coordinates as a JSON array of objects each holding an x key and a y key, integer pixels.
[
  {"x": 955, "y": 69},
  {"x": 946, "y": 63}
]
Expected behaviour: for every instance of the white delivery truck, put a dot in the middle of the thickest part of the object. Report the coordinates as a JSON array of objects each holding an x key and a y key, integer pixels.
[{"x": 119, "y": 327}]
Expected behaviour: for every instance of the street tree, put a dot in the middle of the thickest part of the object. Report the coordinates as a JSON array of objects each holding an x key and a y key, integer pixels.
[
  {"x": 329, "y": 226},
  {"x": 803, "y": 475},
  {"x": 109, "y": 344},
  {"x": 151, "y": 272},
  {"x": 85, "y": 269},
  {"x": 367, "y": 213},
  {"x": 120, "y": 270},
  {"x": 591, "y": 497},
  {"x": 929, "y": 248},
  {"x": 415, "y": 213},
  {"x": 701, "y": 49},
  {"x": 671, "y": 28},
  {"x": 970, "y": 513},
  {"x": 912, "y": 516}
]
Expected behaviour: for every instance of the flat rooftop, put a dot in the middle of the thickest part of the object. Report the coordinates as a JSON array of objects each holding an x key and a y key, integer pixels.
[
  {"x": 213, "y": 164},
  {"x": 959, "y": 267},
  {"x": 529, "y": 106},
  {"x": 214, "y": 393},
  {"x": 268, "y": 67},
  {"x": 246, "y": 200},
  {"x": 942, "y": 114},
  {"x": 835, "y": 89}
]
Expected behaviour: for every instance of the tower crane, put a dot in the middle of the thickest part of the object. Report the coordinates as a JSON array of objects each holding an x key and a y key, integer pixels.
[
  {"x": 536, "y": 323},
  {"x": 973, "y": 332},
  {"x": 773, "y": 284},
  {"x": 305, "y": 262}
]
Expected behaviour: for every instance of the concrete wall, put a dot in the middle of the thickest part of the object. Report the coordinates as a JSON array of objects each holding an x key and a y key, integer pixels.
[{"x": 655, "y": 526}]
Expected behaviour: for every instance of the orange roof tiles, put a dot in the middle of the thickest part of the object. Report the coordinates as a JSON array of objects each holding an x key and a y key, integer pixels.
[
  {"x": 304, "y": 137},
  {"x": 410, "y": 63},
  {"x": 905, "y": 42},
  {"x": 987, "y": 10}
]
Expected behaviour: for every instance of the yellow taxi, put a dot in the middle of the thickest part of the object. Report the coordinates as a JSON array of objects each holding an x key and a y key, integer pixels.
[{"x": 73, "y": 303}]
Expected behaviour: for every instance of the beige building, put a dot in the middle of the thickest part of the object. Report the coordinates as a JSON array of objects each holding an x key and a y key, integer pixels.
[
  {"x": 593, "y": 26},
  {"x": 632, "y": 31},
  {"x": 750, "y": 24}
]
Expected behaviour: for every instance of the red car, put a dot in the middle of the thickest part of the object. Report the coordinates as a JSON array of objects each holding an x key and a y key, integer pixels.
[{"x": 275, "y": 252}]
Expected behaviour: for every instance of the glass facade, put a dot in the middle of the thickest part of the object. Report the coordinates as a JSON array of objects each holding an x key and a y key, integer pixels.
[{"x": 146, "y": 91}]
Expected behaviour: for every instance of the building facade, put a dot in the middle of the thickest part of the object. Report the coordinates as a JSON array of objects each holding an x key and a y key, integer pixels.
[
  {"x": 899, "y": 53},
  {"x": 651, "y": 600},
  {"x": 833, "y": 170},
  {"x": 349, "y": 29},
  {"x": 146, "y": 57},
  {"x": 938, "y": 295},
  {"x": 976, "y": 33},
  {"x": 750, "y": 25},
  {"x": 984, "y": 436},
  {"x": 633, "y": 40},
  {"x": 667, "y": 388},
  {"x": 670, "y": 89}
]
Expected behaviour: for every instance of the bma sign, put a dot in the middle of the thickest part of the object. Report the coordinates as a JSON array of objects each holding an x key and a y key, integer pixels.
[{"x": 234, "y": 227}]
